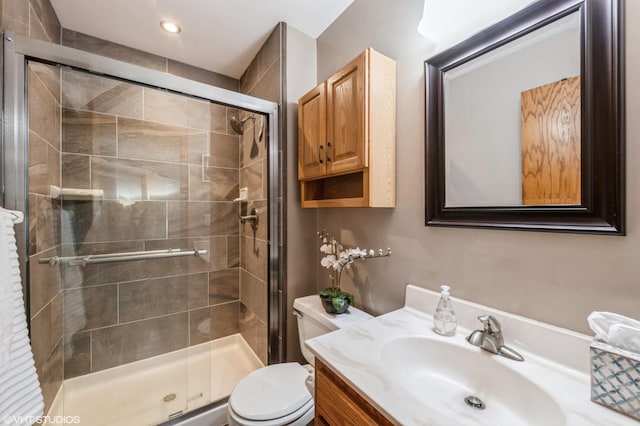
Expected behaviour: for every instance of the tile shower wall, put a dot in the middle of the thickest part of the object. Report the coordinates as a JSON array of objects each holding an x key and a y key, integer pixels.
[
  {"x": 33, "y": 18},
  {"x": 254, "y": 303},
  {"x": 148, "y": 60},
  {"x": 261, "y": 79},
  {"x": 168, "y": 169}
]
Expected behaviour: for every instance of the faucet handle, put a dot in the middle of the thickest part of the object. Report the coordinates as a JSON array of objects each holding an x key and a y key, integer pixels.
[{"x": 491, "y": 325}]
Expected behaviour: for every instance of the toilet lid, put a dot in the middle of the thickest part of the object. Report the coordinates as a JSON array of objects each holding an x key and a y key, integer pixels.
[{"x": 271, "y": 392}]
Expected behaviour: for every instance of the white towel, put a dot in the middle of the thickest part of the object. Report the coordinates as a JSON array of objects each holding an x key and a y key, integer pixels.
[
  {"x": 20, "y": 393},
  {"x": 6, "y": 293},
  {"x": 8, "y": 275}
]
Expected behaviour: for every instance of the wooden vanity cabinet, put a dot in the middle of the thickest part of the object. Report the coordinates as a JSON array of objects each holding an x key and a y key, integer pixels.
[
  {"x": 346, "y": 136},
  {"x": 337, "y": 404}
]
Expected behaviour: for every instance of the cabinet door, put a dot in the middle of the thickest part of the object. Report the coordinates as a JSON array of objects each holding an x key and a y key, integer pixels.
[
  {"x": 337, "y": 403},
  {"x": 312, "y": 118},
  {"x": 346, "y": 102}
]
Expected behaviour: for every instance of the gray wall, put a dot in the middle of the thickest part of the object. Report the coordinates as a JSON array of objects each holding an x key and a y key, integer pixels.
[
  {"x": 301, "y": 223},
  {"x": 556, "y": 278}
]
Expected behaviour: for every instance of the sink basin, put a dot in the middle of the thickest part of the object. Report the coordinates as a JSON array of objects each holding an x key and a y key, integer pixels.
[{"x": 441, "y": 372}]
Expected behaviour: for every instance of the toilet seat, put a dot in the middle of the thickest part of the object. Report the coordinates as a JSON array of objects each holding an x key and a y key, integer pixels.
[
  {"x": 301, "y": 417},
  {"x": 272, "y": 395}
]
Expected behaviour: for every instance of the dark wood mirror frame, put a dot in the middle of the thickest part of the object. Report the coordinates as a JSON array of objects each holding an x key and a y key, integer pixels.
[{"x": 602, "y": 123}]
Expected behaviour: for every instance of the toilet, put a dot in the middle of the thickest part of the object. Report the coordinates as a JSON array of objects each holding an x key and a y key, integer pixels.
[{"x": 278, "y": 394}]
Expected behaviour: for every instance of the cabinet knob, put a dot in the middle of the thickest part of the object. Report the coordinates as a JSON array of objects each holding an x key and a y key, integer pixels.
[
  {"x": 328, "y": 146},
  {"x": 320, "y": 148}
]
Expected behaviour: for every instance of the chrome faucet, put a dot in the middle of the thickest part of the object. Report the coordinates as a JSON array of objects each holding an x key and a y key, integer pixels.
[{"x": 490, "y": 339}]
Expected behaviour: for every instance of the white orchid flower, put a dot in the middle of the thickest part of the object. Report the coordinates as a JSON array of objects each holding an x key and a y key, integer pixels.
[
  {"x": 357, "y": 252},
  {"x": 328, "y": 261},
  {"x": 336, "y": 258}
]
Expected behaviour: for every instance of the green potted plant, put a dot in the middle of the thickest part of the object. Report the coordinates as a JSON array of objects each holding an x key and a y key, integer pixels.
[
  {"x": 336, "y": 258},
  {"x": 335, "y": 301}
]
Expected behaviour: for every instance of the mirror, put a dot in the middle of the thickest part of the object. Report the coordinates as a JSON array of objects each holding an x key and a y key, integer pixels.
[{"x": 524, "y": 123}]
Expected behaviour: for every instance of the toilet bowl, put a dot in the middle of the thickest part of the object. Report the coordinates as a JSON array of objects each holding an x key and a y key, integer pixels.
[{"x": 278, "y": 394}]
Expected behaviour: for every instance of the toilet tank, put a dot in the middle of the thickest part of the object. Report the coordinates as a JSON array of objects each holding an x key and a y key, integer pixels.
[{"x": 313, "y": 321}]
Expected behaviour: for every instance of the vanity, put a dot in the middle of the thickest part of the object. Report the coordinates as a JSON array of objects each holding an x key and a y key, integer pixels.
[{"x": 394, "y": 369}]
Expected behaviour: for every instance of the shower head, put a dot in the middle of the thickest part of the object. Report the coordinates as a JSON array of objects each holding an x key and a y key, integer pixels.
[{"x": 238, "y": 125}]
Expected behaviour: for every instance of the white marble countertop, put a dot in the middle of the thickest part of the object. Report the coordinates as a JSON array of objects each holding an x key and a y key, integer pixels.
[{"x": 561, "y": 370}]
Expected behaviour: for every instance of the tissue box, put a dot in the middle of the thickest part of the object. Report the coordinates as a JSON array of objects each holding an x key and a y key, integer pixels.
[{"x": 615, "y": 378}]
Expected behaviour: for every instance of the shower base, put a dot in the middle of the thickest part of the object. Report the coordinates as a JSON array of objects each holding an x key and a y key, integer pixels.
[{"x": 154, "y": 390}]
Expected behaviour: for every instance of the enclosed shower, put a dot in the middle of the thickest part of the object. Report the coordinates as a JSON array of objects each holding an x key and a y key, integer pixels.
[{"x": 148, "y": 295}]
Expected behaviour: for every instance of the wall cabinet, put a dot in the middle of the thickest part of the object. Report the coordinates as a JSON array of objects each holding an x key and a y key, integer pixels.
[
  {"x": 339, "y": 404},
  {"x": 346, "y": 139}
]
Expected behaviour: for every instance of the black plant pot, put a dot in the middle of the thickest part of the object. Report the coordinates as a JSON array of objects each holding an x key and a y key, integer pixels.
[{"x": 327, "y": 304}]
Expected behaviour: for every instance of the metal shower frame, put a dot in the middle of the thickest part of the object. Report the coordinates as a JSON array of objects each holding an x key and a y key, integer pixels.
[{"x": 17, "y": 50}]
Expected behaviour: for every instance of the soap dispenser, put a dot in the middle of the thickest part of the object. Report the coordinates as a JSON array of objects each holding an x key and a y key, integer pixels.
[{"x": 444, "y": 320}]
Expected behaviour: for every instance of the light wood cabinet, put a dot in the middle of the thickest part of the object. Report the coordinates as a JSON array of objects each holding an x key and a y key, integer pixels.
[
  {"x": 338, "y": 404},
  {"x": 312, "y": 129},
  {"x": 346, "y": 139},
  {"x": 346, "y": 99}
]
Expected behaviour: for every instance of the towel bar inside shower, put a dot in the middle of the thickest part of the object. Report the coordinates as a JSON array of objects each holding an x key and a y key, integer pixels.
[{"x": 120, "y": 257}]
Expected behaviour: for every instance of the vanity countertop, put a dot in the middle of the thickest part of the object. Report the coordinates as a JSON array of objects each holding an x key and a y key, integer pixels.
[{"x": 556, "y": 360}]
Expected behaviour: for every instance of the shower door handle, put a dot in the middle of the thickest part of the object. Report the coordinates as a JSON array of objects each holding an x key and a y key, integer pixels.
[{"x": 320, "y": 148}]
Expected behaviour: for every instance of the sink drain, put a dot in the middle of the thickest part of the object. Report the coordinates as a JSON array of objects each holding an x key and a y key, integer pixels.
[
  {"x": 475, "y": 402},
  {"x": 170, "y": 397}
]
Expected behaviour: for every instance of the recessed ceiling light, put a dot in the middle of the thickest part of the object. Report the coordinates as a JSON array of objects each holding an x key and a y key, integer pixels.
[{"x": 170, "y": 27}]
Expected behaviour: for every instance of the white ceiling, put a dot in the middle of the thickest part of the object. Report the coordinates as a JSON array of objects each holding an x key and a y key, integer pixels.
[{"x": 218, "y": 35}]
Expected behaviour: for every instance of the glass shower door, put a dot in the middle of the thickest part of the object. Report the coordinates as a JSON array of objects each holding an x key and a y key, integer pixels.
[{"x": 134, "y": 243}]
